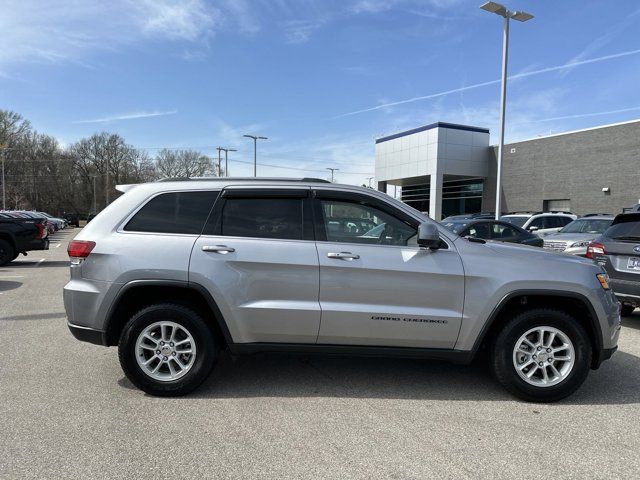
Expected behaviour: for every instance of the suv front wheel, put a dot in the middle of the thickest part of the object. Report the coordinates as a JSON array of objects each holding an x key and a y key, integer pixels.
[
  {"x": 542, "y": 355},
  {"x": 167, "y": 350}
]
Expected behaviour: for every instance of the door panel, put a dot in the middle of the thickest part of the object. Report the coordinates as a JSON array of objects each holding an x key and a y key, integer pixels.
[
  {"x": 392, "y": 296},
  {"x": 267, "y": 290},
  {"x": 377, "y": 287},
  {"x": 258, "y": 259}
]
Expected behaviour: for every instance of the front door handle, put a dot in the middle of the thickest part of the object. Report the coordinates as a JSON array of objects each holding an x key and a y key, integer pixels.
[
  {"x": 218, "y": 249},
  {"x": 343, "y": 255}
]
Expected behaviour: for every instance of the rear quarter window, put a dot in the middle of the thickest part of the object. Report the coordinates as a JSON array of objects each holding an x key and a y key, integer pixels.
[{"x": 176, "y": 212}]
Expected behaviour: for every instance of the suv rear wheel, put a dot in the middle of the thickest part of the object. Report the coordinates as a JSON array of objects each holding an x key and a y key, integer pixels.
[
  {"x": 542, "y": 355},
  {"x": 167, "y": 350}
]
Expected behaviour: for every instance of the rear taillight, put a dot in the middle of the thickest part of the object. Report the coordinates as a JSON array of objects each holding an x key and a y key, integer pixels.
[
  {"x": 80, "y": 248},
  {"x": 40, "y": 230},
  {"x": 593, "y": 249}
]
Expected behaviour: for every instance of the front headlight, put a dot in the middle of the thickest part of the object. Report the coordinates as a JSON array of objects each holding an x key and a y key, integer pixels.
[
  {"x": 603, "y": 278},
  {"x": 579, "y": 244}
]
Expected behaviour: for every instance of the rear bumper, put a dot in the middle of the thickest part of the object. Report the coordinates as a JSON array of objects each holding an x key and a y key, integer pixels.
[
  {"x": 39, "y": 244},
  {"x": 85, "y": 334},
  {"x": 626, "y": 291}
]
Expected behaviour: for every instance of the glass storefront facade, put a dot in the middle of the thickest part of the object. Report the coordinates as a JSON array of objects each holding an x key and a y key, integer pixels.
[{"x": 458, "y": 196}]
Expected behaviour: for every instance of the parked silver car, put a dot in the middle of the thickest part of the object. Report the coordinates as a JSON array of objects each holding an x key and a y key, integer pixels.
[
  {"x": 576, "y": 236},
  {"x": 175, "y": 271}
]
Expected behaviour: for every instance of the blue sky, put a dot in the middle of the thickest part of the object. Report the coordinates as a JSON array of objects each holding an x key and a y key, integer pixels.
[{"x": 321, "y": 79}]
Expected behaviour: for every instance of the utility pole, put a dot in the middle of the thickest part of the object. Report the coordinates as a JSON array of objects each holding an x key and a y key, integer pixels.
[
  {"x": 226, "y": 160},
  {"x": 369, "y": 180},
  {"x": 219, "y": 149},
  {"x": 332, "y": 170},
  {"x": 255, "y": 151}
]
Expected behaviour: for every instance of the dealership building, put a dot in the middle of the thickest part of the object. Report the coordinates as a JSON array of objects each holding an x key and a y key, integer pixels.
[{"x": 448, "y": 169}]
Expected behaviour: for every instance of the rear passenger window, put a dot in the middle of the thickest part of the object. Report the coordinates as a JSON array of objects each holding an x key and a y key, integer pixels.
[
  {"x": 263, "y": 218},
  {"x": 180, "y": 212}
]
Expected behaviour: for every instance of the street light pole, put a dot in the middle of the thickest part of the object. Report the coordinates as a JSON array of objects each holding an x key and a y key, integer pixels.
[
  {"x": 520, "y": 16},
  {"x": 255, "y": 151},
  {"x": 4, "y": 188},
  {"x": 95, "y": 198},
  {"x": 332, "y": 170},
  {"x": 106, "y": 184}
]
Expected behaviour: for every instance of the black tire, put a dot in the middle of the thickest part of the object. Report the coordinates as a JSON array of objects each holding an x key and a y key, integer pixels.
[
  {"x": 627, "y": 310},
  {"x": 503, "y": 350},
  {"x": 7, "y": 254},
  {"x": 205, "y": 357}
]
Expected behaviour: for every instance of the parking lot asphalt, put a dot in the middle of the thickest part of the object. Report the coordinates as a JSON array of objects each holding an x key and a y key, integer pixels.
[{"x": 66, "y": 410}]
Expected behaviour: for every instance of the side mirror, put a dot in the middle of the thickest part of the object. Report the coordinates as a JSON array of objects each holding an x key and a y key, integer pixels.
[
  {"x": 533, "y": 228},
  {"x": 428, "y": 236}
]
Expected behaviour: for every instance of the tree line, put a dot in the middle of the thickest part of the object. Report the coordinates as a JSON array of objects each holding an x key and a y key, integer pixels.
[{"x": 41, "y": 174}]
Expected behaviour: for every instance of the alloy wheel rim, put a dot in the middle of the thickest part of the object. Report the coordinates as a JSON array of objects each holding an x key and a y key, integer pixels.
[
  {"x": 165, "y": 351},
  {"x": 544, "y": 356}
]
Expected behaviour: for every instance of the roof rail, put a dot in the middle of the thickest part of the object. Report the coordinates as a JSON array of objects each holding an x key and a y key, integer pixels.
[
  {"x": 598, "y": 215},
  {"x": 252, "y": 179}
]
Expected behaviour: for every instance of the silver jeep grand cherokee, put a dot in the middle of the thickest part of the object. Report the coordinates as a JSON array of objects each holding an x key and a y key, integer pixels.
[{"x": 175, "y": 271}]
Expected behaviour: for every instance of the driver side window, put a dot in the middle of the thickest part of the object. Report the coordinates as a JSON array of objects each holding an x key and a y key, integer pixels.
[{"x": 356, "y": 223}]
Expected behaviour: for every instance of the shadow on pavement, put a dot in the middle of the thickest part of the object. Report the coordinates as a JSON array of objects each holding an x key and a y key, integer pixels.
[
  {"x": 6, "y": 286},
  {"x": 288, "y": 375},
  {"x": 632, "y": 321}
]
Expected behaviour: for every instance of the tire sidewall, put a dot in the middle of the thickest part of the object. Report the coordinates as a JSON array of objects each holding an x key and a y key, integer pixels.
[
  {"x": 525, "y": 321},
  {"x": 202, "y": 336}
]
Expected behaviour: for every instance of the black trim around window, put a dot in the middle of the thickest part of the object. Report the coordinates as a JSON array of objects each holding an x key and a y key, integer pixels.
[
  {"x": 356, "y": 198},
  {"x": 214, "y": 222}
]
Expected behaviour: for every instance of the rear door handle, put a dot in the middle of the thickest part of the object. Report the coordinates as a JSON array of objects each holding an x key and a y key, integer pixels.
[
  {"x": 218, "y": 249},
  {"x": 343, "y": 255}
]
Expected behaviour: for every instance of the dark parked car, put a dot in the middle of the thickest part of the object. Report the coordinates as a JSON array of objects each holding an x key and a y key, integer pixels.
[
  {"x": 470, "y": 216},
  {"x": 21, "y": 234},
  {"x": 618, "y": 251},
  {"x": 72, "y": 219},
  {"x": 493, "y": 230}
]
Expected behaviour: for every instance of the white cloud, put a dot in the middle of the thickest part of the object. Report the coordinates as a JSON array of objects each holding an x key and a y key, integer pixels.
[
  {"x": 70, "y": 30},
  {"x": 570, "y": 64},
  {"x": 189, "y": 20},
  {"x": 128, "y": 116}
]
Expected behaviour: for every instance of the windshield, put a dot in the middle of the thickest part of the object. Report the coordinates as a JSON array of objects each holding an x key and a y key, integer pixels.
[
  {"x": 586, "y": 226},
  {"x": 456, "y": 226},
  {"x": 517, "y": 221}
]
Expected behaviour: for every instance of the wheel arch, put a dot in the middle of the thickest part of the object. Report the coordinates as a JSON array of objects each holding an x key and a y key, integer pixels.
[
  {"x": 138, "y": 294},
  {"x": 9, "y": 238},
  {"x": 573, "y": 303}
]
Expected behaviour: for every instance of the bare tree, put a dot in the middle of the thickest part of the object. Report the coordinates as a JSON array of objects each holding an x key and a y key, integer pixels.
[{"x": 183, "y": 164}]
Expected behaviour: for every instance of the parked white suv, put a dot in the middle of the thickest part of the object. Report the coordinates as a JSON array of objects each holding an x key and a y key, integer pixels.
[{"x": 540, "y": 223}]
